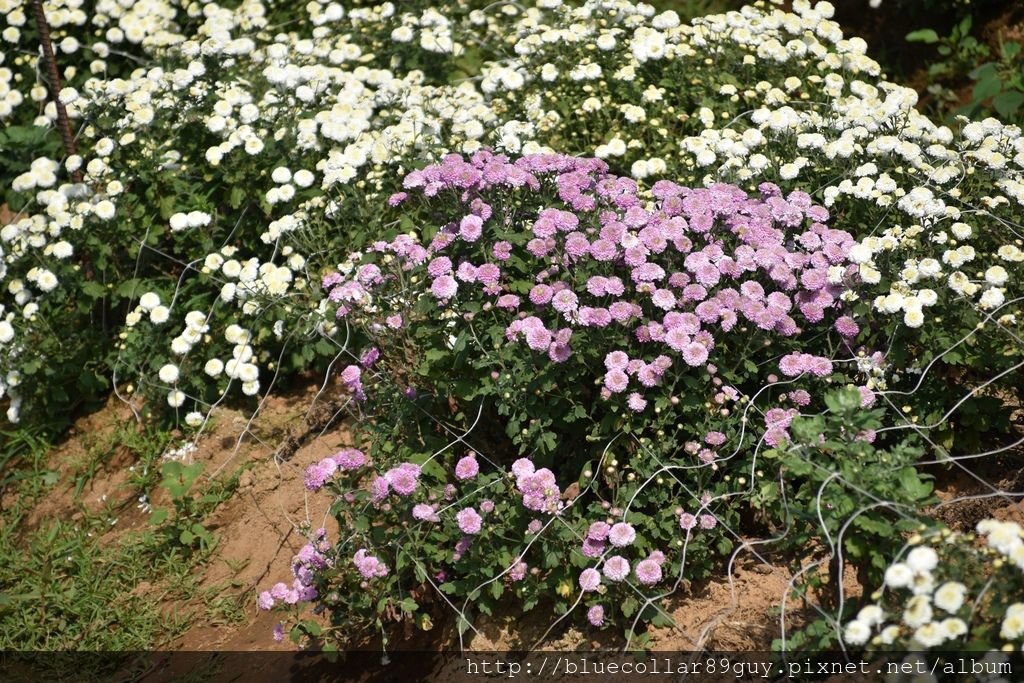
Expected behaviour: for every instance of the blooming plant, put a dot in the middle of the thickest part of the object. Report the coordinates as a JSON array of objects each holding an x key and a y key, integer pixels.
[
  {"x": 664, "y": 311},
  {"x": 602, "y": 293},
  {"x": 948, "y": 591}
]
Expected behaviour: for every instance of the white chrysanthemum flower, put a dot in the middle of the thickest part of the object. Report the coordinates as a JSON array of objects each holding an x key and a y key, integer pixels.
[
  {"x": 231, "y": 268},
  {"x": 175, "y": 398},
  {"x": 213, "y": 367},
  {"x": 62, "y": 249},
  {"x": 178, "y": 222},
  {"x": 46, "y": 280},
  {"x": 180, "y": 345},
  {"x": 922, "y": 559},
  {"x": 860, "y": 253},
  {"x": 149, "y": 301},
  {"x": 953, "y": 627},
  {"x": 247, "y": 372},
  {"x": 159, "y": 315},
  {"x": 194, "y": 419},
  {"x": 169, "y": 373},
  {"x": 913, "y": 318},
  {"x": 1013, "y": 622},
  {"x": 918, "y": 611},
  {"x": 898, "y": 575},
  {"x": 871, "y": 615},
  {"x": 930, "y": 635},
  {"x": 105, "y": 209},
  {"x": 950, "y": 596},
  {"x": 68, "y": 95},
  {"x": 996, "y": 275},
  {"x": 960, "y": 230},
  {"x": 1003, "y": 536},
  {"x": 991, "y": 298},
  {"x": 889, "y": 634},
  {"x": 857, "y": 632}
]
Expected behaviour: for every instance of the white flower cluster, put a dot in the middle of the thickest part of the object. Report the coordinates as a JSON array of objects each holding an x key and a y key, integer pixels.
[
  {"x": 933, "y": 615},
  {"x": 327, "y": 117},
  {"x": 98, "y": 30},
  {"x": 813, "y": 112},
  {"x": 939, "y": 263}
]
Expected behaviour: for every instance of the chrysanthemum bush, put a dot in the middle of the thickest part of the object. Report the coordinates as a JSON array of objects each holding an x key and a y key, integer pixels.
[
  {"x": 948, "y": 590},
  {"x": 535, "y": 349},
  {"x": 194, "y": 167},
  {"x": 570, "y": 375},
  {"x": 329, "y": 123}
]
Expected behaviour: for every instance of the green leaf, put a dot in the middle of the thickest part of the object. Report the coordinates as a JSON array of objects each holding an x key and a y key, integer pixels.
[
  {"x": 924, "y": 35},
  {"x": 128, "y": 288},
  {"x": 879, "y": 527},
  {"x": 1010, "y": 50},
  {"x": 1007, "y": 103},
  {"x": 912, "y": 485},
  {"x": 94, "y": 290},
  {"x": 984, "y": 71},
  {"x": 237, "y": 196},
  {"x": 186, "y": 537},
  {"x": 408, "y": 605},
  {"x": 987, "y": 88},
  {"x": 661, "y": 621},
  {"x": 435, "y": 354},
  {"x": 843, "y": 401},
  {"x": 158, "y": 516}
]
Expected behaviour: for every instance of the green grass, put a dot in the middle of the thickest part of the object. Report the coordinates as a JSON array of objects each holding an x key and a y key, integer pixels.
[
  {"x": 64, "y": 587},
  {"x": 64, "y": 590}
]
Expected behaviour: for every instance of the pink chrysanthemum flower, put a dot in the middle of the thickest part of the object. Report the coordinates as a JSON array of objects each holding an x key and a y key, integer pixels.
[
  {"x": 648, "y": 572},
  {"x": 621, "y": 534},
  {"x": 590, "y": 579},
  {"x": 470, "y": 521},
  {"x": 616, "y": 568},
  {"x": 467, "y": 468}
]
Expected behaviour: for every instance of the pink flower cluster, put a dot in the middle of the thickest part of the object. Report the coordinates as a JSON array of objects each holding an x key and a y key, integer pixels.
[
  {"x": 776, "y": 422},
  {"x": 795, "y": 364},
  {"x": 689, "y": 521},
  {"x": 648, "y": 572},
  {"x": 538, "y": 487},
  {"x": 425, "y": 513},
  {"x": 470, "y": 521},
  {"x": 319, "y": 473},
  {"x": 352, "y": 379},
  {"x": 402, "y": 479},
  {"x": 466, "y": 468},
  {"x": 368, "y": 565},
  {"x": 674, "y": 277},
  {"x": 305, "y": 565}
]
